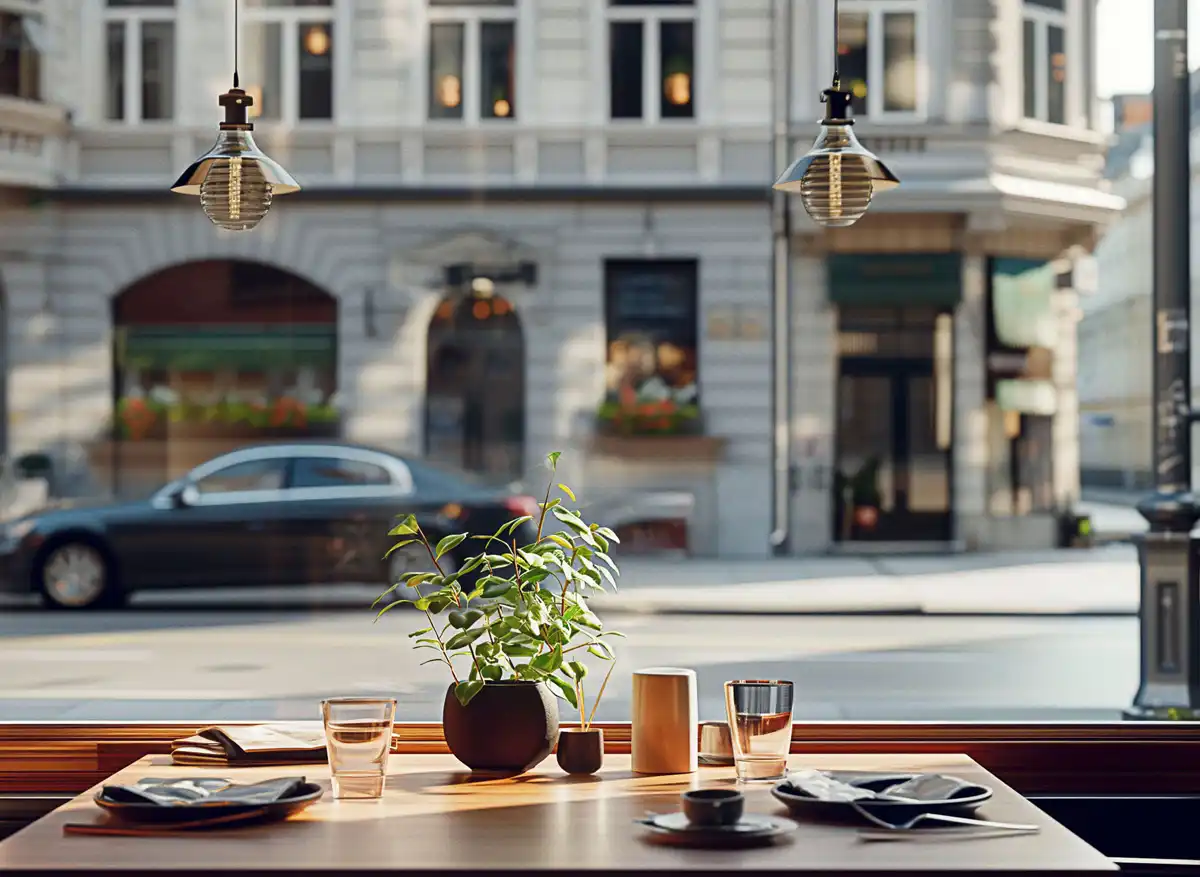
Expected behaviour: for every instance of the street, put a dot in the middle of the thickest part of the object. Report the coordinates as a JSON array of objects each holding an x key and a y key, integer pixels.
[{"x": 928, "y": 639}]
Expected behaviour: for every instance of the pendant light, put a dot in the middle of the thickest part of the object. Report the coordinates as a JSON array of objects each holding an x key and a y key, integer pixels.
[
  {"x": 837, "y": 178},
  {"x": 235, "y": 180}
]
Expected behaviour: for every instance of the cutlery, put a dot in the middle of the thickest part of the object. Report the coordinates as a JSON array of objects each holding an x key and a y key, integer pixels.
[{"x": 900, "y": 827}]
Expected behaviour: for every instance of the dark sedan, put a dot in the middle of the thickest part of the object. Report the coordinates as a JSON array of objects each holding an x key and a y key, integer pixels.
[{"x": 284, "y": 514}]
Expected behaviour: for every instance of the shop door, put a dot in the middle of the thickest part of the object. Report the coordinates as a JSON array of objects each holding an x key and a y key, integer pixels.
[{"x": 893, "y": 445}]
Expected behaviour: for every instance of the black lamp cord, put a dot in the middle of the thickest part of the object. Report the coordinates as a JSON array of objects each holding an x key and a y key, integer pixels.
[
  {"x": 837, "y": 45},
  {"x": 237, "y": 29}
]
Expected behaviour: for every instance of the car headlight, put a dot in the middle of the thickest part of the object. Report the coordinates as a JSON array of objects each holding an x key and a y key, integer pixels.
[{"x": 18, "y": 530}]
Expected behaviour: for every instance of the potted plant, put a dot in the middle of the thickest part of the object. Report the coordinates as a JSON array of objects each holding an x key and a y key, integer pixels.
[
  {"x": 510, "y": 625},
  {"x": 581, "y": 750}
]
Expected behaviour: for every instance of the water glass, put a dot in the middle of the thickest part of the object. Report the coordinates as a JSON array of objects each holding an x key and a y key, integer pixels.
[
  {"x": 358, "y": 737},
  {"x": 760, "y": 723}
]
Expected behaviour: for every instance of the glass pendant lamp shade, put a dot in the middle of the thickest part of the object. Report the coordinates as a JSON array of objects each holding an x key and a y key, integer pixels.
[
  {"x": 236, "y": 181},
  {"x": 837, "y": 178}
]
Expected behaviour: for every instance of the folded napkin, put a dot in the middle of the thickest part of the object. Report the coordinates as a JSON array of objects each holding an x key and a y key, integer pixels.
[
  {"x": 247, "y": 746},
  {"x": 203, "y": 792}
]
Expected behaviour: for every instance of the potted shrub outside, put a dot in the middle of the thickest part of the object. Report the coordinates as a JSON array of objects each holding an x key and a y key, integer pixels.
[{"x": 514, "y": 639}]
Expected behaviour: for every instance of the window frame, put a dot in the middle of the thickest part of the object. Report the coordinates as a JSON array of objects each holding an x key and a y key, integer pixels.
[
  {"x": 472, "y": 17},
  {"x": 651, "y": 18},
  {"x": 875, "y": 10},
  {"x": 289, "y": 18},
  {"x": 1043, "y": 19},
  {"x": 133, "y": 18}
]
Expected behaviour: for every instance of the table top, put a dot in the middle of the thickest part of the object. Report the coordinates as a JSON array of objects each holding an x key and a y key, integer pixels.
[{"x": 436, "y": 817}]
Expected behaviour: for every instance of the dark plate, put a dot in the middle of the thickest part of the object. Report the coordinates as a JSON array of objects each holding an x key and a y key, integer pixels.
[
  {"x": 965, "y": 798},
  {"x": 751, "y": 830},
  {"x": 158, "y": 813}
]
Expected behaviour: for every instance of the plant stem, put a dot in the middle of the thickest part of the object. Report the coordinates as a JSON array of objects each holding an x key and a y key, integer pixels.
[
  {"x": 600, "y": 693},
  {"x": 433, "y": 625},
  {"x": 579, "y": 700},
  {"x": 542, "y": 517},
  {"x": 437, "y": 566}
]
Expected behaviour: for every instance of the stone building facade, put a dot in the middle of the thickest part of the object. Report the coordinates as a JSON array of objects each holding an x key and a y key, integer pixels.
[{"x": 596, "y": 173}]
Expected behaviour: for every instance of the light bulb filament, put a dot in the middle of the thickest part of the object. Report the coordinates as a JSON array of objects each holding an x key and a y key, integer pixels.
[
  {"x": 835, "y": 185},
  {"x": 235, "y": 187}
]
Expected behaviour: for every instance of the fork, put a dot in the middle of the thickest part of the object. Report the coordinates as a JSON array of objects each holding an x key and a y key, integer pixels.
[{"x": 900, "y": 827}]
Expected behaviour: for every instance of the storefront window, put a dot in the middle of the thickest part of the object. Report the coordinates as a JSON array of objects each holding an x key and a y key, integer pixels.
[{"x": 650, "y": 320}]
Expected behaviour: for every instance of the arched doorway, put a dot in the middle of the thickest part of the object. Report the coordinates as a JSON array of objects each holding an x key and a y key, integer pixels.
[
  {"x": 209, "y": 356},
  {"x": 475, "y": 386}
]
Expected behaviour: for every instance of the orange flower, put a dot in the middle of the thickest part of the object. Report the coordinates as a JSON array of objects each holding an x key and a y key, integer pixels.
[{"x": 288, "y": 411}]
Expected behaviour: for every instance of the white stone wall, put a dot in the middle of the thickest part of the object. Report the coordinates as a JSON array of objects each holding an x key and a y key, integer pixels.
[
  {"x": 814, "y": 388},
  {"x": 971, "y": 522}
]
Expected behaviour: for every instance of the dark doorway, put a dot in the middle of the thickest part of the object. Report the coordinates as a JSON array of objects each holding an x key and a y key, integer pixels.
[
  {"x": 893, "y": 462},
  {"x": 475, "y": 386}
]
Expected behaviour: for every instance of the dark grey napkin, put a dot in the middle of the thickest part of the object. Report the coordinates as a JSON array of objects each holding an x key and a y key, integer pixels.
[{"x": 203, "y": 792}]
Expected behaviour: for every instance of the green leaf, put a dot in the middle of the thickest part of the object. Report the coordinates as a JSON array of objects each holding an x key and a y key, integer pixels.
[
  {"x": 515, "y": 522},
  {"x": 397, "y": 546},
  {"x": 609, "y": 535},
  {"x": 613, "y": 633},
  {"x": 462, "y": 619},
  {"x": 496, "y": 587},
  {"x": 449, "y": 543},
  {"x": 551, "y": 504},
  {"x": 588, "y": 619},
  {"x": 389, "y": 607},
  {"x": 433, "y": 661},
  {"x": 561, "y": 541},
  {"x": 491, "y": 672},
  {"x": 552, "y": 459},
  {"x": 515, "y": 650},
  {"x": 577, "y": 669},
  {"x": 466, "y": 691},
  {"x": 600, "y": 650},
  {"x": 464, "y": 638},
  {"x": 406, "y": 527},
  {"x": 567, "y": 491},
  {"x": 550, "y": 661},
  {"x": 528, "y": 671},
  {"x": 422, "y": 632},
  {"x": 413, "y": 579},
  {"x": 382, "y": 596},
  {"x": 566, "y": 689}
]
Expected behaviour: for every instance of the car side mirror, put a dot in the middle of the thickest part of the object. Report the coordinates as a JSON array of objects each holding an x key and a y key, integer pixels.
[{"x": 187, "y": 495}]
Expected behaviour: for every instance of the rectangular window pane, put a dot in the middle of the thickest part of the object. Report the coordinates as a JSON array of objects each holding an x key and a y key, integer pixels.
[
  {"x": 316, "y": 70},
  {"x": 625, "y": 69},
  {"x": 1056, "y": 71},
  {"x": 20, "y": 72},
  {"x": 445, "y": 71},
  {"x": 1029, "y": 55},
  {"x": 262, "y": 68},
  {"x": 852, "y": 57},
  {"x": 140, "y": 3},
  {"x": 677, "y": 51},
  {"x": 651, "y": 327},
  {"x": 900, "y": 62},
  {"x": 158, "y": 70},
  {"x": 114, "y": 91},
  {"x": 497, "y": 70},
  {"x": 1057, "y": 5},
  {"x": 284, "y": 4}
]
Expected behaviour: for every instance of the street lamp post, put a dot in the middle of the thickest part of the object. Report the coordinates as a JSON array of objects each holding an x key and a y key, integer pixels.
[{"x": 1168, "y": 554}]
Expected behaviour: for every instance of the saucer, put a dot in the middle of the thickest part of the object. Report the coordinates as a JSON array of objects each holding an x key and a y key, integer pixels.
[{"x": 751, "y": 828}]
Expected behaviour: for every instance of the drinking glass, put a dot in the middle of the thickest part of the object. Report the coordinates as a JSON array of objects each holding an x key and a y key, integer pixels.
[
  {"x": 358, "y": 736},
  {"x": 760, "y": 723}
]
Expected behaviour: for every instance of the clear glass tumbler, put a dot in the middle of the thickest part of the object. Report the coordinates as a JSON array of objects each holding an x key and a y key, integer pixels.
[
  {"x": 760, "y": 723},
  {"x": 358, "y": 736}
]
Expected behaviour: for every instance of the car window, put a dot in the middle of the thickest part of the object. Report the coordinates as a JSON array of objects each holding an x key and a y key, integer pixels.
[
  {"x": 241, "y": 477},
  {"x": 337, "y": 472}
]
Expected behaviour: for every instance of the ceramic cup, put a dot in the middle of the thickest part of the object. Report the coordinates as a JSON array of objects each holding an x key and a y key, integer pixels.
[{"x": 713, "y": 807}]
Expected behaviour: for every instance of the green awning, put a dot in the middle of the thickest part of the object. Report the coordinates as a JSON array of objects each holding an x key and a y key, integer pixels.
[
  {"x": 895, "y": 280},
  {"x": 211, "y": 348}
]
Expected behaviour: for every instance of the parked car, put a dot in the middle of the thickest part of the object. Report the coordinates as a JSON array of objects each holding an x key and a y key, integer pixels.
[{"x": 280, "y": 514}]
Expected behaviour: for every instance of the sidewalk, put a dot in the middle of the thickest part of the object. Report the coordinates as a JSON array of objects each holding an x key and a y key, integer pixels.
[{"x": 1103, "y": 581}]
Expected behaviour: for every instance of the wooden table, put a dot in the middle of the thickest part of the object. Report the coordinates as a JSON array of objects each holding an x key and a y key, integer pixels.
[{"x": 434, "y": 817}]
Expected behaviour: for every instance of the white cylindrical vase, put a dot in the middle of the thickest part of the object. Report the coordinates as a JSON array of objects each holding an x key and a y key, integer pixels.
[{"x": 664, "y": 727}]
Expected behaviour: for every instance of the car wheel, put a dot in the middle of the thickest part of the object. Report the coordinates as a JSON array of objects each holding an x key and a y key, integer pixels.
[{"x": 76, "y": 575}]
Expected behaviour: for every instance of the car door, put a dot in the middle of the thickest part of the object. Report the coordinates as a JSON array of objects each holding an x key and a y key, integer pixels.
[
  {"x": 229, "y": 524},
  {"x": 339, "y": 506}
]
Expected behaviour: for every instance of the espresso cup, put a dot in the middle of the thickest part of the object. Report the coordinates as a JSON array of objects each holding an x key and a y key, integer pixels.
[{"x": 713, "y": 807}]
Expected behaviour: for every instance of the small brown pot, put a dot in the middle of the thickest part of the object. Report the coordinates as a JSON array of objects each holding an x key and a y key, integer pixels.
[{"x": 580, "y": 751}]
